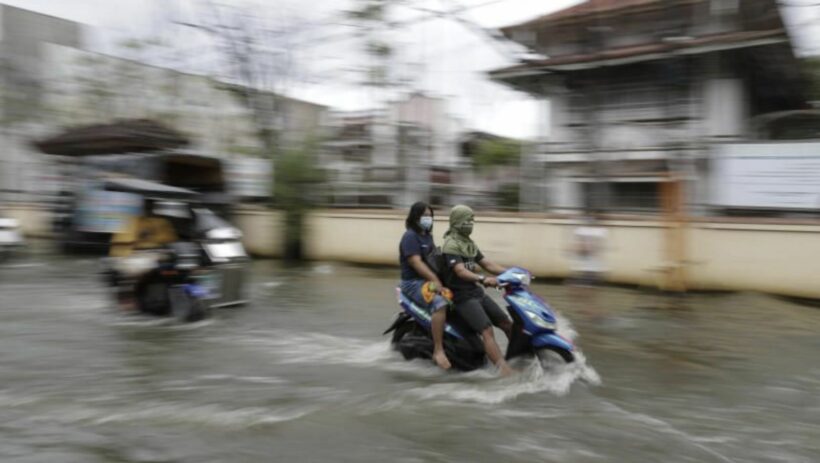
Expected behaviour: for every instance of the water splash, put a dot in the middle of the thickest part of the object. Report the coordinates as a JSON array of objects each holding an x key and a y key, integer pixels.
[{"x": 532, "y": 379}]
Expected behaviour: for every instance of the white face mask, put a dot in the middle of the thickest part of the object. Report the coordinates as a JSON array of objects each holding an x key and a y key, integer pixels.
[{"x": 426, "y": 223}]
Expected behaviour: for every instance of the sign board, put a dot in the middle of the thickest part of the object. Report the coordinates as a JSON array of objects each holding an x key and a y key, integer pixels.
[
  {"x": 103, "y": 211},
  {"x": 249, "y": 177},
  {"x": 766, "y": 175}
]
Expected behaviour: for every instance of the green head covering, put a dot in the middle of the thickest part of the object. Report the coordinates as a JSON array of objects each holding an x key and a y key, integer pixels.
[{"x": 457, "y": 239}]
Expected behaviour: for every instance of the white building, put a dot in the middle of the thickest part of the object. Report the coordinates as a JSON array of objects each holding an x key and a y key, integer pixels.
[
  {"x": 641, "y": 90},
  {"x": 86, "y": 88},
  {"x": 48, "y": 82},
  {"x": 392, "y": 156},
  {"x": 24, "y": 174}
]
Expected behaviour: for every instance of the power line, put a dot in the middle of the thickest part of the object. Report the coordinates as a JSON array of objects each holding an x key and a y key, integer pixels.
[{"x": 430, "y": 15}]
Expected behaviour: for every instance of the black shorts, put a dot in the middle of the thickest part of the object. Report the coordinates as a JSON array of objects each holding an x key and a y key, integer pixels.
[{"x": 480, "y": 313}]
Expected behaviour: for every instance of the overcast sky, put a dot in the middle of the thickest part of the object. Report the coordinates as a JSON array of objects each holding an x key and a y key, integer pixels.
[{"x": 444, "y": 57}]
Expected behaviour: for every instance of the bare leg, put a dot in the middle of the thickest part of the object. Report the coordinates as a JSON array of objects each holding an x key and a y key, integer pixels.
[
  {"x": 438, "y": 319},
  {"x": 494, "y": 353},
  {"x": 506, "y": 327}
]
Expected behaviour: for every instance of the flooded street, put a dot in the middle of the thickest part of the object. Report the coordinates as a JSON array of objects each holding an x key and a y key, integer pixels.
[{"x": 303, "y": 374}]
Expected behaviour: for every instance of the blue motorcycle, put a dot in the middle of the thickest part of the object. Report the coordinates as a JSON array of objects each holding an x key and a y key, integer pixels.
[{"x": 533, "y": 332}]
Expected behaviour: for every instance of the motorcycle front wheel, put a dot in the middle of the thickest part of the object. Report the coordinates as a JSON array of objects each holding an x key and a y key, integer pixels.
[{"x": 554, "y": 355}]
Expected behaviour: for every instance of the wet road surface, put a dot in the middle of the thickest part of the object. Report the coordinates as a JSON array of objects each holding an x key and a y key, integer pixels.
[{"x": 303, "y": 374}]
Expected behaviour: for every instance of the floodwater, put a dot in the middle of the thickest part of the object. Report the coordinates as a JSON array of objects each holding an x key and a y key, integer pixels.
[{"x": 303, "y": 374}]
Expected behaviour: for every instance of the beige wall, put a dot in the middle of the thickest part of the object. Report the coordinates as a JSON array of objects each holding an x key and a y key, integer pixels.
[
  {"x": 776, "y": 258},
  {"x": 262, "y": 231},
  {"x": 34, "y": 221},
  {"x": 783, "y": 259}
]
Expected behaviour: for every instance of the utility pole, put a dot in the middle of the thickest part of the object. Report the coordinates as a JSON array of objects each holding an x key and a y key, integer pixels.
[{"x": 676, "y": 89}]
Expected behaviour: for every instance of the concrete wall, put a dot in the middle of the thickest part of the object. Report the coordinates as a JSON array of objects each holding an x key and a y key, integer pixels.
[{"x": 776, "y": 258}]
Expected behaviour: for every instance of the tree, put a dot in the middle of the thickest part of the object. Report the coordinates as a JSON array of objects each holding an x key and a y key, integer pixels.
[
  {"x": 496, "y": 152},
  {"x": 371, "y": 15},
  {"x": 257, "y": 45},
  {"x": 811, "y": 67},
  {"x": 295, "y": 180}
]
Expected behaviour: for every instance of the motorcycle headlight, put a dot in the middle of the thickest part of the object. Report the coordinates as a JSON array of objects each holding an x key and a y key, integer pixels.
[{"x": 540, "y": 322}]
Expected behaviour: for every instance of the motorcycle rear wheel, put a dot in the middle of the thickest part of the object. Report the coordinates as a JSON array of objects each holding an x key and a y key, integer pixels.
[{"x": 186, "y": 308}]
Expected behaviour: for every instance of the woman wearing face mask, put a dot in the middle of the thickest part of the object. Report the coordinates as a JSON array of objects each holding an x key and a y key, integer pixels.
[
  {"x": 418, "y": 281},
  {"x": 476, "y": 308}
]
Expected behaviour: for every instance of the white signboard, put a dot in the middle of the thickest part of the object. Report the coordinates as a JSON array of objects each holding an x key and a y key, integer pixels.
[
  {"x": 766, "y": 175},
  {"x": 103, "y": 211},
  {"x": 249, "y": 177}
]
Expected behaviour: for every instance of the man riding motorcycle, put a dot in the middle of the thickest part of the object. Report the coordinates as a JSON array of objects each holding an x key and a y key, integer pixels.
[
  {"x": 138, "y": 248},
  {"x": 477, "y": 309}
]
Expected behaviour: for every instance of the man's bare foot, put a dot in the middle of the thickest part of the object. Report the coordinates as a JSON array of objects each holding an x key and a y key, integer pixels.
[
  {"x": 504, "y": 370},
  {"x": 440, "y": 358}
]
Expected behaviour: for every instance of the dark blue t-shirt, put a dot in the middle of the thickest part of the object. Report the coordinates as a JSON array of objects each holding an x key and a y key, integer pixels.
[{"x": 413, "y": 244}]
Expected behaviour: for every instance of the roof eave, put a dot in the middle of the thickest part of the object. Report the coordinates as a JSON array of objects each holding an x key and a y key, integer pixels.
[{"x": 530, "y": 69}]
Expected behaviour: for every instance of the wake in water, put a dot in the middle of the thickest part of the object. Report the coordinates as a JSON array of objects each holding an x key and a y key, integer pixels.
[
  {"x": 479, "y": 386},
  {"x": 138, "y": 320},
  {"x": 156, "y": 412}
]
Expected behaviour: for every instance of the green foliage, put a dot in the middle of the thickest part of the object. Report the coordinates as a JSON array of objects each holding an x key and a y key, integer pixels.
[
  {"x": 369, "y": 10},
  {"x": 379, "y": 49},
  {"x": 372, "y": 17},
  {"x": 132, "y": 44},
  {"x": 811, "y": 67},
  {"x": 296, "y": 180},
  {"x": 508, "y": 196},
  {"x": 295, "y": 177},
  {"x": 491, "y": 153}
]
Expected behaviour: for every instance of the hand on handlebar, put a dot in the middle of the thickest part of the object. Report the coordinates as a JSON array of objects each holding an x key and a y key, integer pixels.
[{"x": 490, "y": 282}]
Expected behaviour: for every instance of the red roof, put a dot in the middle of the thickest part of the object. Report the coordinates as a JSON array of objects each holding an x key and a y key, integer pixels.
[
  {"x": 734, "y": 38},
  {"x": 591, "y": 8}
]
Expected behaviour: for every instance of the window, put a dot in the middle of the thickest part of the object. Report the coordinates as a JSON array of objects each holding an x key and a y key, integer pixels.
[{"x": 622, "y": 196}]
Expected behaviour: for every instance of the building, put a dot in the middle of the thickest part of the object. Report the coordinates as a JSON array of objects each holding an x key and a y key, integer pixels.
[
  {"x": 85, "y": 88},
  {"x": 49, "y": 82},
  {"x": 640, "y": 91},
  {"x": 392, "y": 156},
  {"x": 22, "y": 61},
  {"x": 491, "y": 177},
  {"x": 23, "y": 174}
]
